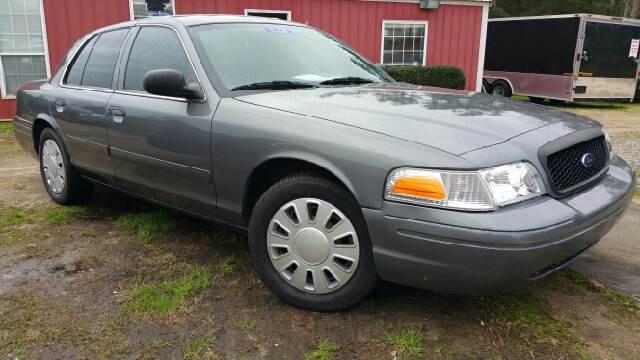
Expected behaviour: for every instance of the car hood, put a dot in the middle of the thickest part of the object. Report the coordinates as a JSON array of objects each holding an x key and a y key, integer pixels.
[{"x": 453, "y": 121}]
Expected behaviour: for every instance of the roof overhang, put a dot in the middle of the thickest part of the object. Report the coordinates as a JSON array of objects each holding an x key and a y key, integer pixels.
[{"x": 442, "y": 2}]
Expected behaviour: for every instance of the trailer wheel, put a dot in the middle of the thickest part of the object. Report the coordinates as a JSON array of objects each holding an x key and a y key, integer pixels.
[
  {"x": 536, "y": 100},
  {"x": 501, "y": 88},
  {"x": 557, "y": 102},
  {"x": 486, "y": 87}
]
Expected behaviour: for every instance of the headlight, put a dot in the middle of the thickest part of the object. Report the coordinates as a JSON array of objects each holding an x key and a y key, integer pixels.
[
  {"x": 480, "y": 190},
  {"x": 609, "y": 143}
]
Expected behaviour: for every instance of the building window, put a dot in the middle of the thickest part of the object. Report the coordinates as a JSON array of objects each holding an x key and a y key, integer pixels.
[
  {"x": 144, "y": 8},
  {"x": 404, "y": 42},
  {"x": 276, "y": 14},
  {"x": 22, "y": 45}
]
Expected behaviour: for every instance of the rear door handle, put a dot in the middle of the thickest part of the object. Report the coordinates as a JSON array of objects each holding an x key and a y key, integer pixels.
[
  {"x": 59, "y": 105},
  {"x": 117, "y": 114}
]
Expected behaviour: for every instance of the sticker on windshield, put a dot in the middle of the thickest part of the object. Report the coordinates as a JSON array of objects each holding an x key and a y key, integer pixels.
[{"x": 280, "y": 30}]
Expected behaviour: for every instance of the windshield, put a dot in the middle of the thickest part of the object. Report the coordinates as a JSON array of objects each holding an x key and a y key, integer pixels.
[{"x": 244, "y": 54}]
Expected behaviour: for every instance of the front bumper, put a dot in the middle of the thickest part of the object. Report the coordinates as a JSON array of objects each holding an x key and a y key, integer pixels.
[{"x": 480, "y": 253}]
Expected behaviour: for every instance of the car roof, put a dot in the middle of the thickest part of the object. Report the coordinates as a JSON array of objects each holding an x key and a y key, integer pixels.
[
  {"x": 200, "y": 19},
  {"x": 190, "y": 20}
]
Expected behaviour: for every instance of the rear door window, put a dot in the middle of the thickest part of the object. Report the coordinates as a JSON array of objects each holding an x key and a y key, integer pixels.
[
  {"x": 156, "y": 48},
  {"x": 98, "y": 71},
  {"x": 74, "y": 76}
]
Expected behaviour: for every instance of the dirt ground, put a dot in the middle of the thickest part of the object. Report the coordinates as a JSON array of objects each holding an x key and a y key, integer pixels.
[{"x": 119, "y": 278}]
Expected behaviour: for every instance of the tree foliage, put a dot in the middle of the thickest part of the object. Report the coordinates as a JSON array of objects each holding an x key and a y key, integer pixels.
[
  {"x": 156, "y": 5},
  {"x": 625, "y": 8},
  {"x": 439, "y": 76}
]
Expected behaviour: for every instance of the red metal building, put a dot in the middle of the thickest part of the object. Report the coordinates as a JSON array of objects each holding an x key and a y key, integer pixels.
[{"x": 35, "y": 34}]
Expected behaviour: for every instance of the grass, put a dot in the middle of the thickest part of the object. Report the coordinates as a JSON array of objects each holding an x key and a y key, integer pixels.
[
  {"x": 225, "y": 268},
  {"x": 57, "y": 215},
  {"x": 148, "y": 226},
  {"x": 13, "y": 237},
  {"x": 444, "y": 350},
  {"x": 13, "y": 216},
  {"x": 6, "y": 128},
  {"x": 169, "y": 295},
  {"x": 197, "y": 348},
  {"x": 29, "y": 322},
  {"x": 587, "y": 104},
  {"x": 527, "y": 316},
  {"x": 630, "y": 303},
  {"x": 407, "y": 343},
  {"x": 150, "y": 351},
  {"x": 246, "y": 326},
  {"x": 323, "y": 351},
  {"x": 64, "y": 215}
]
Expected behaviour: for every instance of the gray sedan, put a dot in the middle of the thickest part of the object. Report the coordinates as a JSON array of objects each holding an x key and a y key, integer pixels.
[{"x": 338, "y": 175}]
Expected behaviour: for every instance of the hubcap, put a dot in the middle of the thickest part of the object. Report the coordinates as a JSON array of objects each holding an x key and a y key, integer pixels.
[
  {"x": 53, "y": 166},
  {"x": 313, "y": 245}
]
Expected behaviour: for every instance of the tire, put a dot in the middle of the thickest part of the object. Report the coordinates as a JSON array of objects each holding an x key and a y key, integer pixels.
[
  {"x": 501, "y": 88},
  {"x": 536, "y": 100},
  {"x": 349, "y": 288},
  {"x": 486, "y": 87},
  {"x": 64, "y": 184}
]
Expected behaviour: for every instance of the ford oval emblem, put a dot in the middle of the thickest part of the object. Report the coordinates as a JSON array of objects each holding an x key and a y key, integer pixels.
[{"x": 587, "y": 160}]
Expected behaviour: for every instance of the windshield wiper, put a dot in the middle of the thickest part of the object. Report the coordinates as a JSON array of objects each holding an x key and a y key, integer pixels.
[
  {"x": 347, "y": 80},
  {"x": 275, "y": 85}
]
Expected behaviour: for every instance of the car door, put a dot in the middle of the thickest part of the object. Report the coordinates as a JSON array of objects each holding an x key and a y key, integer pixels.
[
  {"x": 161, "y": 146},
  {"x": 80, "y": 104}
]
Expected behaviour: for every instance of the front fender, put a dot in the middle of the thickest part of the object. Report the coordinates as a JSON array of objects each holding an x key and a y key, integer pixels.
[{"x": 316, "y": 160}]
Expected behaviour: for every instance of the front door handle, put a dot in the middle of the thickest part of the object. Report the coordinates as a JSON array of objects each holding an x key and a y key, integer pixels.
[
  {"x": 59, "y": 105},
  {"x": 117, "y": 114}
]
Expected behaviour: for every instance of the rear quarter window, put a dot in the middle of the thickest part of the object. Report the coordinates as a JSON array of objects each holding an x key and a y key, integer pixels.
[
  {"x": 76, "y": 69},
  {"x": 98, "y": 71}
]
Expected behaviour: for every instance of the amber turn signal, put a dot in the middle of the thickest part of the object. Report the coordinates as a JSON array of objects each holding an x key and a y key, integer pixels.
[{"x": 421, "y": 187}]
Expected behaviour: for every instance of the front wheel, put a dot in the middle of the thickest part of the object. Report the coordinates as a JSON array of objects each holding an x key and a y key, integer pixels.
[
  {"x": 61, "y": 180},
  {"x": 310, "y": 244}
]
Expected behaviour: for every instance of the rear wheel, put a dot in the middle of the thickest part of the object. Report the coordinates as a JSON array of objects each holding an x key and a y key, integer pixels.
[
  {"x": 61, "y": 180},
  {"x": 501, "y": 88},
  {"x": 310, "y": 244}
]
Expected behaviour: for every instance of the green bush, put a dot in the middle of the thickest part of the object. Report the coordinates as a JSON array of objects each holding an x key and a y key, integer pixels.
[{"x": 449, "y": 77}]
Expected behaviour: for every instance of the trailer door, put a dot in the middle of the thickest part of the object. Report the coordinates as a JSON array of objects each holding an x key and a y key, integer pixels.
[{"x": 606, "y": 70}]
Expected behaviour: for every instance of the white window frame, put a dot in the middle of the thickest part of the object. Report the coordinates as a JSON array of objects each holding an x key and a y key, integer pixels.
[
  {"x": 132, "y": 14},
  {"x": 43, "y": 23},
  {"x": 288, "y": 12},
  {"x": 406, "y": 22}
]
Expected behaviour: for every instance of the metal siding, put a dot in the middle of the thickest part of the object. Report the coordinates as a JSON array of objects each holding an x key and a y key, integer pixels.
[
  {"x": 453, "y": 39},
  {"x": 66, "y": 22},
  {"x": 87, "y": 15},
  {"x": 7, "y": 108},
  {"x": 454, "y": 30}
]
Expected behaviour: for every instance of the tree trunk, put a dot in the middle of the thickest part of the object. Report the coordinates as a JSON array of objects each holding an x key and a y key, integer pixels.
[
  {"x": 635, "y": 9},
  {"x": 627, "y": 8}
]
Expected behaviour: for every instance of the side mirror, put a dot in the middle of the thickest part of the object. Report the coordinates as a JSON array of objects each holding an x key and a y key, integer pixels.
[{"x": 169, "y": 82}]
